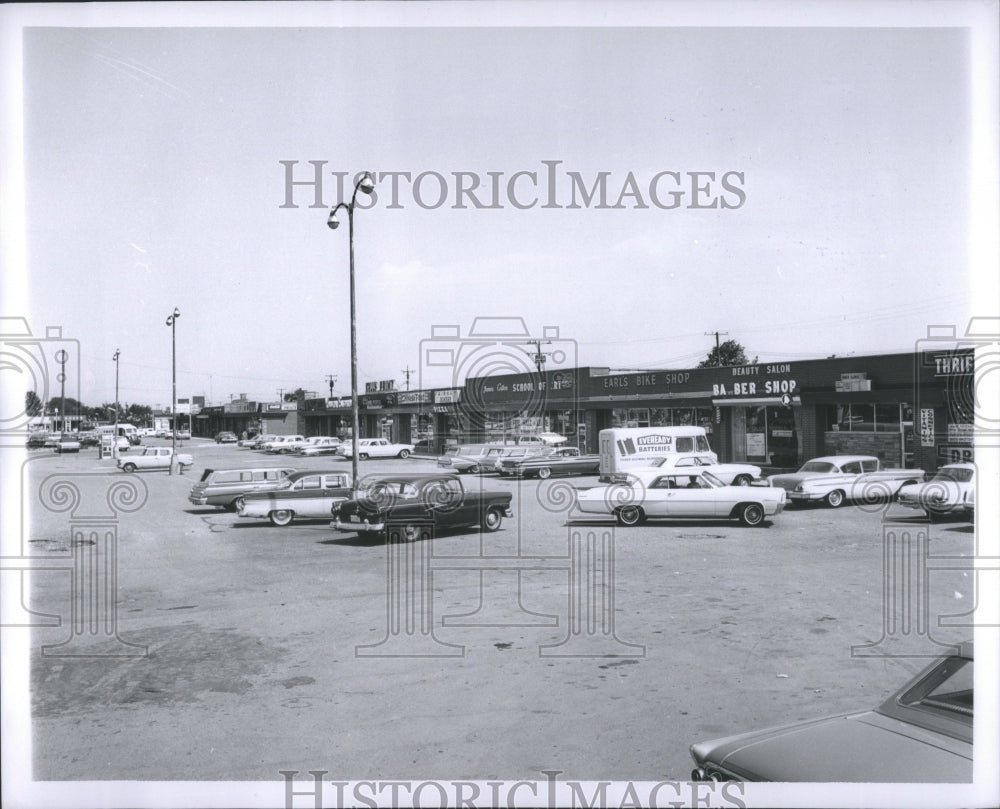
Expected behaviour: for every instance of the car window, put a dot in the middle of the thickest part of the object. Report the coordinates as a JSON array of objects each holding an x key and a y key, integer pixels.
[
  {"x": 663, "y": 483},
  {"x": 703, "y": 444},
  {"x": 334, "y": 481},
  {"x": 957, "y": 474},
  {"x": 851, "y": 468},
  {"x": 685, "y": 443},
  {"x": 869, "y": 466},
  {"x": 312, "y": 482},
  {"x": 818, "y": 466},
  {"x": 949, "y": 688},
  {"x": 686, "y": 462}
]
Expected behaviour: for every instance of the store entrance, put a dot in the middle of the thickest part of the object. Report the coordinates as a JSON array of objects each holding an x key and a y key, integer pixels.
[{"x": 770, "y": 436}]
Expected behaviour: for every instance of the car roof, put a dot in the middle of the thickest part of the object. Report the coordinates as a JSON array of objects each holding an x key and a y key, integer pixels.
[
  {"x": 839, "y": 459},
  {"x": 308, "y": 472},
  {"x": 961, "y": 465},
  {"x": 421, "y": 478}
]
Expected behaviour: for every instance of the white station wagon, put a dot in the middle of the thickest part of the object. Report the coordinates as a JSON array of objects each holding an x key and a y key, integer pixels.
[{"x": 375, "y": 448}]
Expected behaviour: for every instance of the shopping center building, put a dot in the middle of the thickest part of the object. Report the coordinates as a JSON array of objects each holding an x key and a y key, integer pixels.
[{"x": 912, "y": 409}]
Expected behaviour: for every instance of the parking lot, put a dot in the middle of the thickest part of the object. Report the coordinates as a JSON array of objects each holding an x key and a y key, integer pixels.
[{"x": 554, "y": 644}]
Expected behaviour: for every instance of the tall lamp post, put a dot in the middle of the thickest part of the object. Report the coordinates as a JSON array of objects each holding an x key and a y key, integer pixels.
[
  {"x": 61, "y": 357},
  {"x": 172, "y": 322},
  {"x": 114, "y": 445},
  {"x": 366, "y": 184}
]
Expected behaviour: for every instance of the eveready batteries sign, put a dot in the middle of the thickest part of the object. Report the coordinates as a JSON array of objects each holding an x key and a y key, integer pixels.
[{"x": 646, "y": 443}]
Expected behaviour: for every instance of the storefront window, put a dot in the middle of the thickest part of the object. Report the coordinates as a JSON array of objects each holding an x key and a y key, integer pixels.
[
  {"x": 887, "y": 418},
  {"x": 856, "y": 418},
  {"x": 770, "y": 436}
]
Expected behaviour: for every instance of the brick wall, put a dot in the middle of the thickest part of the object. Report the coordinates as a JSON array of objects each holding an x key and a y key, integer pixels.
[{"x": 884, "y": 446}]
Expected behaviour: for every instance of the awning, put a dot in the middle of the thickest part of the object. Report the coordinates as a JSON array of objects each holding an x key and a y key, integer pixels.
[{"x": 755, "y": 400}]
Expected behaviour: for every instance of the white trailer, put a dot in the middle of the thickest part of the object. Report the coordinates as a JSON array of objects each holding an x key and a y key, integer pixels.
[{"x": 624, "y": 448}]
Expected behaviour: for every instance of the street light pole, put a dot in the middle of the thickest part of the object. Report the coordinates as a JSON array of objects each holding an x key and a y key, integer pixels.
[
  {"x": 365, "y": 183},
  {"x": 172, "y": 322},
  {"x": 114, "y": 445},
  {"x": 61, "y": 357}
]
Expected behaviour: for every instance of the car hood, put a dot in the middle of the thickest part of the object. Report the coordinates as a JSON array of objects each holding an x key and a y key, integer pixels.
[{"x": 865, "y": 747}]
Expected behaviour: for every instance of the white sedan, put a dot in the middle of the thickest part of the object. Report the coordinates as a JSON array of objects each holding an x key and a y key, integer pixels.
[
  {"x": 691, "y": 494},
  {"x": 375, "y": 448},
  {"x": 950, "y": 491},
  {"x": 731, "y": 474}
]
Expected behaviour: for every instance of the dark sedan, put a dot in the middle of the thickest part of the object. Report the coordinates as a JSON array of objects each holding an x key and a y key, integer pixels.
[
  {"x": 922, "y": 733},
  {"x": 412, "y": 507}
]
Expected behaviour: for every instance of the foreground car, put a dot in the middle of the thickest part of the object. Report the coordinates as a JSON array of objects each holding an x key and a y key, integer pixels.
[
  {"x": 418, "y": 505},
  {"x": 922, "y": 733},
  {"x": 950, "y": 491},
  {"x": 834, "y": 479},
  {"x": 302, "y": 495},
  {"x": 226, "y": 488},
  {"x": 695, "y": 493}
]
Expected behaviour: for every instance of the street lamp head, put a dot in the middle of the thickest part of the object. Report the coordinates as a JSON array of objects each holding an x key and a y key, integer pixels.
[
  {"x": 177, "y": 313},
  {"x": 115, "y": 357},
  {"x": 173, "y": 317},
  {"x": 332, "y": 222},
  {"x": 367, "y": 182}
]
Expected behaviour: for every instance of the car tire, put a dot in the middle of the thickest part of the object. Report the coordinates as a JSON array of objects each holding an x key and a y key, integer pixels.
[
  {"x": 408, "y": 532},
  {"x": 544, "y": 473},
  {"x": 404, "y": 453},
  {"x": 129, "y": 467},
  {"x": 237, "y": 504},
  {"x": 492, "y": 520},
  {"x": 281, "y": 517},
  {"x": 362, "y": 456},
  {"x": 474, "y": 469},
  {"x": 629, "y": 515},
  {"x": 751, "y": 514},
  {"x": 835, "y": 499},
  {"x": 742, "y": 480}
]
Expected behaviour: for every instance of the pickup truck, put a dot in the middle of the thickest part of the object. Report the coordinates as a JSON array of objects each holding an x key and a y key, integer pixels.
[
  {"x": 834, "y": 479},
  {"x": 153, "y": 458}
]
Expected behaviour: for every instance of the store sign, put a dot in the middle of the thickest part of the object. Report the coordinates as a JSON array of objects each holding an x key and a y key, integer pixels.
[
  {"x": 414, "y": 397},
  {"x": 452, "y": 396},
  {"x": 757, "y": 380},
  {"x": 952, "y": 364},
  {"x": 951, "y": 454},
  {"x": 960, "y": 433},
  {"x": 927, "y": 426},
  {"x": 383, "y": 386}
]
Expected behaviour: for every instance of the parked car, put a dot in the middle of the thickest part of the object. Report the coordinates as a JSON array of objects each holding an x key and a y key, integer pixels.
[
  {"x": 559, "y": 461},
  {"x": 226, "y": 437},
  {"x": 182, "y": 435},
  {"x": 732, "y": 474},
  {"x": 413, "y": 506},
  {"x": 950, "y": 491},
  {"x": 37, "y": 440},
  {"x": 67, "y": 443},
  {"x": 302, "y": 495},
  {"x": 153, "y": 458},
  {"x": 251, "y": 440},
  {"x": 89, "y": 439},
  {"x": 472, "y": 458},
  {"x": 376, "y": 448},
  {"x": 260, "y": 439},
  {"x": 282, "y": 443},
  {"x": 835, "y": 479},
  {"x": 922, "y": 733},
  {"x": 691, "y": 494},
  {"x": 509, "y": 453},
  {"x": 323, "y": 446},
  {"x": 227, "y": 487}
]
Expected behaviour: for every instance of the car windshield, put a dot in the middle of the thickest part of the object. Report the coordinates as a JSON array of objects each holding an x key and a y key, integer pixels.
[
  {"x": 956, "y": 474},
  {"x": 712, "y": 480},
  {"x": 948, "y": 688},
  {"x": 818, "y": 466}
]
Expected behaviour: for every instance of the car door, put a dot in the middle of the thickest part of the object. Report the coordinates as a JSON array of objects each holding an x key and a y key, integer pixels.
[
  {"x": 305, "y": 497},
  {"x": 336, "y": 490},
  {"x": 693, "y": 497},
  {"x": 659, "y": 497}
]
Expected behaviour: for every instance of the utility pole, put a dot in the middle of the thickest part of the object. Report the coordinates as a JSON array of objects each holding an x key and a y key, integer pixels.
[
  {"x": 407, "y": 371},
  {"x": 718, "y": 357},
  {"x": 539, "y": 356},
  {"x": 332, "y": 380}
]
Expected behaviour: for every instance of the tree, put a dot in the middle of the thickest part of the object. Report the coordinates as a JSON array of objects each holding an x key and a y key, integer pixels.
[
  {"x": 139, "y": 414},
  {"x": 725, "y": 355},
  {"x": 32, "y": 404},
  {"x": 293, "y": 396}
]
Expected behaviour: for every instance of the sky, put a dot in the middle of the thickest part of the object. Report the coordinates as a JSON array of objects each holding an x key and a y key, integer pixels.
[{"x": 156, "y": 161}]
